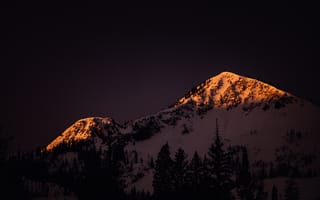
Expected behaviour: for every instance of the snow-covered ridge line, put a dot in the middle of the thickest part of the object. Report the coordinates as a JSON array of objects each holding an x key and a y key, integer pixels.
[
  {"x": 224, "y": 91},
  {"x": 271, "y": 123}
]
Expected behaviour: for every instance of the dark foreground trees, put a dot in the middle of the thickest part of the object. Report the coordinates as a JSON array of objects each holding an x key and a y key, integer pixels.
[
  {"x": 220, "y": 170},
  {"x": 10, "y": 175},
  {"x": 291, "y": 190},
  {"x": 162, "y": 179},
  {"x": 223, "y": 173},
  {"x": 210, "y": 177}
]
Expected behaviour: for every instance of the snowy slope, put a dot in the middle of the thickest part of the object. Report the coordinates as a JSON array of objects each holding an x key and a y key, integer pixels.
[
  {"x": 96, "y": 129},
  {"x": 249, "y": 112},
  {"x": 263, "y": 132}
]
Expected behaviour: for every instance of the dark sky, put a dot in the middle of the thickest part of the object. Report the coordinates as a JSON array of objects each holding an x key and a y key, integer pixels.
[{"x": 63, "y": 62}]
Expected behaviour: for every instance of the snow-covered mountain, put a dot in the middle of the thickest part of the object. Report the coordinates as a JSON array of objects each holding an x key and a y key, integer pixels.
[
  {"x": 99, "y": 130},
  {"x": 228, "y": 90},
  {"x": 270, "y": 122}
]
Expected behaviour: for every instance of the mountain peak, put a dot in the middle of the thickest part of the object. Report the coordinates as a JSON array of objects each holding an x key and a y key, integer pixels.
[
  {"x": 85, "y": 129},
  {"x": 228, "y": 89},
  {"x": 227, "y": 73},
  {"x": 230, "y": 76},
  {"x": 223, "y": 91}
]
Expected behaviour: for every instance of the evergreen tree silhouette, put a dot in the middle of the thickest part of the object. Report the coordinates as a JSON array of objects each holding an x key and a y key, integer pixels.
[
  {"x": 274, "y": 194},
  {"x": 244, "y": 179},
  {"x": 260, "y": 193},
  {"x": 99, "y": 177},
  {"x": 198, "y": 178},
  {"x": 206, "y": 175},
  {"x": 291, "y": 191},
  {"x": 180, "y": 169},
  {"x": 10, "y": 172},
  {"x": 271, "y": 171},
  {"x": 220, "y": 168},
  {"x": 195, "y": 173},
  {"x": 179, "y": 173},
  {"x": 162, "y": 179}
]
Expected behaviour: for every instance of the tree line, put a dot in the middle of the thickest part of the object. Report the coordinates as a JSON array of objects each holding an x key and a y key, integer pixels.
[
  {"x": 219, "y": 174},
  {"x": 223, "y": 173},
  {"x": 215, "y": 176}
]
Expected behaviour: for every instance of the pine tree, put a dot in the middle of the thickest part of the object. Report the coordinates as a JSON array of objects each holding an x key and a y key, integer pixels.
[
  {"x": 195, "y": 172},
  {"x": 162, "y": 179},
  {"x": 10, "y": 172},
  {"x": 151, "y": 163},
  {"x": 244, "y": 179},
  {"x": 291, "y": 190},
  {"x": 262, "y": 174},
  {"x": 206, "y": 176},
  {"x": 133, "y": 193},
  {"x": 220, "y": 167},
  {"x": 180, "y": 170},
  {"x": 100, "y": 175},
  {"x": 274, "y": 194},
  {"x": 271, "y": 171},
  {"x": 260, "y": 193}
]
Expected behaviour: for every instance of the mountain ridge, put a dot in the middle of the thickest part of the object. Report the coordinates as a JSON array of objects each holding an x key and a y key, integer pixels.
[
  {"x": 226, "y": 90},
  {"x": 272, "y": 124}
]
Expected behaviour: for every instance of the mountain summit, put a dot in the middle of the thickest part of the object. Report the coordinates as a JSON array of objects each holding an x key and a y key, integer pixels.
[
  {"x": 92, "y": 128},
  {"x": 224, "y": 91},
  {"x": 272, "y": 124},
  {"x": 228, "y": 89}
]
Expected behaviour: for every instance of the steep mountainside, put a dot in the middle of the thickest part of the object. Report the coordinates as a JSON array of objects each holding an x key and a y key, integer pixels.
[{"x": 271, "y": 123}]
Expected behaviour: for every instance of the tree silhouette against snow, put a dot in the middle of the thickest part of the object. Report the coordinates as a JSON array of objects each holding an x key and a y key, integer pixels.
[
  {"x": 162, "y": 179},
  {"x": 291, "y": 191},
  {"x": 220, "y": 168},
  {"x": 179, "y": 173},
  {"x": 274, "y": 194},
  {"x": 244, "y": 179}
]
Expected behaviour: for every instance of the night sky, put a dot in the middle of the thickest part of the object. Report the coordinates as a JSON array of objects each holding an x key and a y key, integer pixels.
[{"x": 63, "y": 62}]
